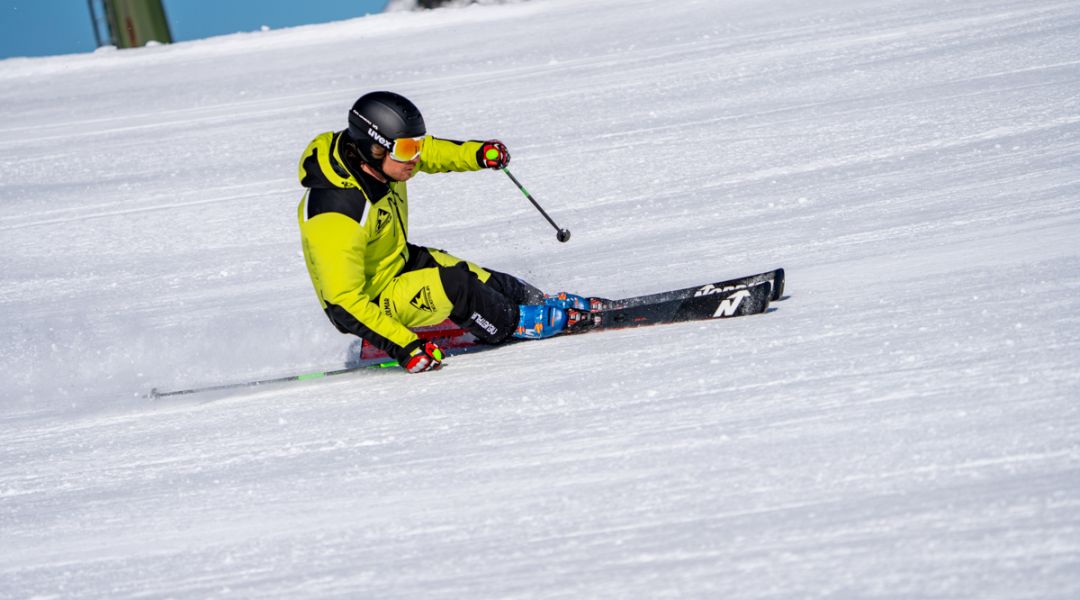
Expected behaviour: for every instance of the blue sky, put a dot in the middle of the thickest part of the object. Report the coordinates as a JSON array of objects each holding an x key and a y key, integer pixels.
[{"x": 47, "y": 27}]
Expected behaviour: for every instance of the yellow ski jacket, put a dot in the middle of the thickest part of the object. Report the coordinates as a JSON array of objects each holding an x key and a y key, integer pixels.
[{"x": 354, "y": 230}]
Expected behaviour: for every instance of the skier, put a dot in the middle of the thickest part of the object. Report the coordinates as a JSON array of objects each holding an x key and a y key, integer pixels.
[{"x": 374, "y": 283}]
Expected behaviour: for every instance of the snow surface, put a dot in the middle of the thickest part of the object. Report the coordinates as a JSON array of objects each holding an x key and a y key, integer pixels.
[{"x": 906, "y": 424}]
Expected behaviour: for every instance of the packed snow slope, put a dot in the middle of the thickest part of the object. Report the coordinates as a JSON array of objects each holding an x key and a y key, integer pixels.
[{"x": 905, "y": 424}]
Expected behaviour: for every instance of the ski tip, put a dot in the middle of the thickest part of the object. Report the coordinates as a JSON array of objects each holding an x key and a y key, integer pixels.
[
  {"x": 778, "y": 284},
  {"x": 763, "y": 294}
]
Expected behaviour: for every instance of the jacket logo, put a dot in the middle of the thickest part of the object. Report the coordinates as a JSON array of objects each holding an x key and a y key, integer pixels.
[
  {"x": 381, "y": 220},
  {"x": 422, "y": 300}
]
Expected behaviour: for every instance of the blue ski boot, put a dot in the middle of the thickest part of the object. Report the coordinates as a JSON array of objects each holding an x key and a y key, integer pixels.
[
  {"x": 566, "y": 300},
  {"x": 540, "y": 321}
]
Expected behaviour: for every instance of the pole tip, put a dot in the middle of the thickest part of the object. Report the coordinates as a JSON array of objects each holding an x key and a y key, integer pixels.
[{"x": 563, "y": 235}]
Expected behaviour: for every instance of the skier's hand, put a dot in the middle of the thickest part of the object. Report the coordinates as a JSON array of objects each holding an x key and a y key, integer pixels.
[
  {"x": 426, "y": 356},
  {"x": 493, "y": 155}
]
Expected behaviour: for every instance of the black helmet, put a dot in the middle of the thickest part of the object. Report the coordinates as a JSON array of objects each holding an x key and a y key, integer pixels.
[{"x": 382, "y": 117}]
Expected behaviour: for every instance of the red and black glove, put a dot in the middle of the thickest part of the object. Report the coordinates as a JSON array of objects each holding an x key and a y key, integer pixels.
[
  {"x": 493, "y": 155},
  {"x": 423, "y": 356}
]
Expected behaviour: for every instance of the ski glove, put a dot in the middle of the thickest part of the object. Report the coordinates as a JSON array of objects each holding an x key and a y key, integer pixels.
[
  {"x": 493, "y": 155},
  {"x": 426, "y": 356}
]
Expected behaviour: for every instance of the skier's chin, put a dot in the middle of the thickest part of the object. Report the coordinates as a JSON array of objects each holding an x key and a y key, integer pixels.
[{"x": 399, "y": 174}]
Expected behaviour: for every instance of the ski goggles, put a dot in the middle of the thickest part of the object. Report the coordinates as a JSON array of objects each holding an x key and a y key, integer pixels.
[{"x": 406, "y": 149}]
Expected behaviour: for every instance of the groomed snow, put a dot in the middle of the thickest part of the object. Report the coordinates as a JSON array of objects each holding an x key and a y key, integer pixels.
[{"x": 905, "y": 424}]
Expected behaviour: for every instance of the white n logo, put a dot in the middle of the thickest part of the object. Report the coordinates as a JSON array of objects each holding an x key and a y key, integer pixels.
[{"x": 730, "y": 304}]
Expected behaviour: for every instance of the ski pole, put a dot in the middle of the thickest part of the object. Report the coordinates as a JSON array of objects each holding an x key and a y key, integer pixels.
[
  {"x": 154, "y": 393},
  {"x": 562, "y": 235}
]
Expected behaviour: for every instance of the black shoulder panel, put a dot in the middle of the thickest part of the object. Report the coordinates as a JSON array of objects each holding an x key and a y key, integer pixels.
[
  {"x": 338, "y": 167},
  {"x": 349, "y": 202},
  {"x": 313, "y": 176}
]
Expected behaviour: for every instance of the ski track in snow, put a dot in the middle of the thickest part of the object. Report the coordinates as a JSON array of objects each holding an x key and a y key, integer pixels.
[{"x": 905, "y": 424}]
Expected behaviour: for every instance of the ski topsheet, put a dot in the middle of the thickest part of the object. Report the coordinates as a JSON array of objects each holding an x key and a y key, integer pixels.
[
  {"x": 775, "y": 278},
  {"x": 707, "y": 303},
  {"x": 723, "y": 299}
]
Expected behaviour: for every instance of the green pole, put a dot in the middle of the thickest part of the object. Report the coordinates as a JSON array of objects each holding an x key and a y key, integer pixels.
[{"x": 155, "y": 393}]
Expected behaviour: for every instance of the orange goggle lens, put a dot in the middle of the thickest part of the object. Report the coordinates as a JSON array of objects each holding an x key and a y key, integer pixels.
[{"x": 406, "y": 149}]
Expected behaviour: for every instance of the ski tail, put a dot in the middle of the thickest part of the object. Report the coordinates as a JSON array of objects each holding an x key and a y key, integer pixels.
[{"x": 450, "y": 338}]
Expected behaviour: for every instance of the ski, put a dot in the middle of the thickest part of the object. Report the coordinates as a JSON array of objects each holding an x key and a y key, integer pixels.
[
  {"x": 712, "y": 301},
  {"x": 735, "y": 301},
  {"x": 775, "y": 278},
  {"x": 155, "y": 393}
]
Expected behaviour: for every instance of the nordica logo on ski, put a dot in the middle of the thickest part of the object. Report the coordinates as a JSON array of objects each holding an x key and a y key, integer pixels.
[
  {"x": 728, "y": 306},
  {"x": 710, "y": 289}
]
